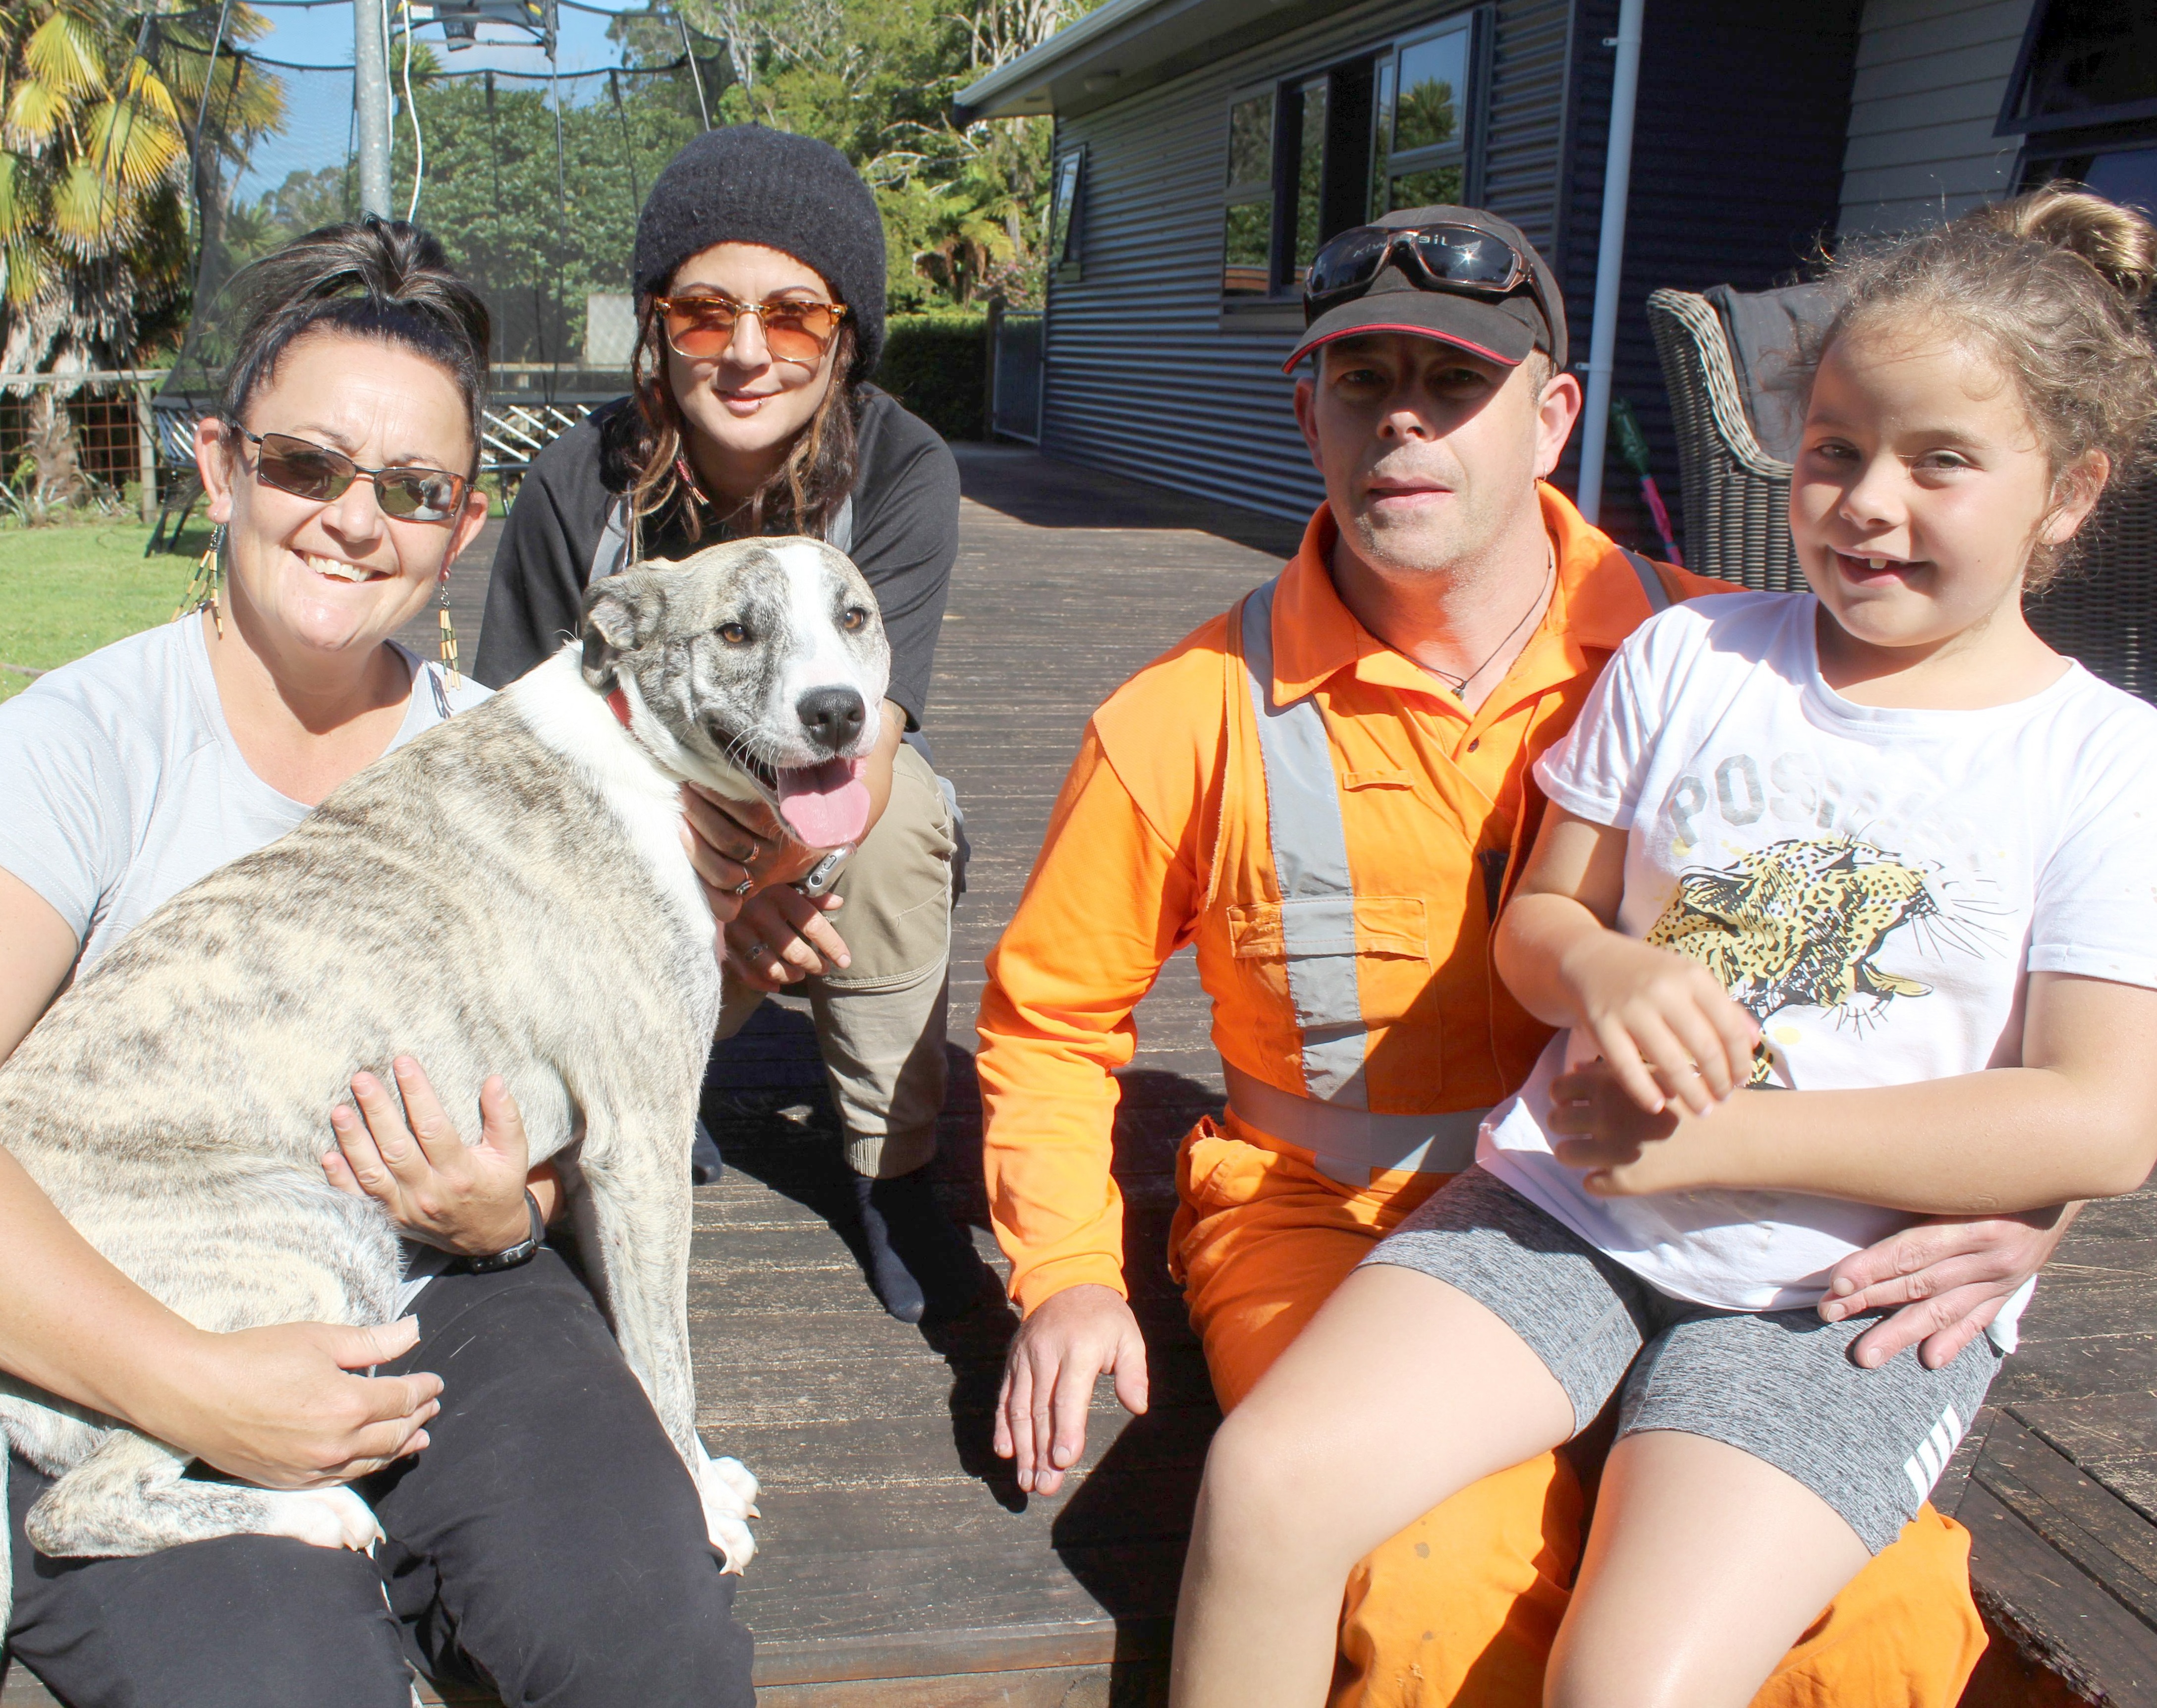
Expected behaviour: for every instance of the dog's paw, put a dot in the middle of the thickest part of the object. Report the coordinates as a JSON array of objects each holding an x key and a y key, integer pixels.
[
  {"x": 321, "y": 1518},
  {"x": 734, "y": 1478},
  {"x": 731, "y": 1537},
  {"x": 729, "y": 1494}
]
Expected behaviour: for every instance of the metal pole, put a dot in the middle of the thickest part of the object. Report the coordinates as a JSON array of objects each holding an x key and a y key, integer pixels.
[
  {"x": 370, "y": 60},
  {"x": 689, "y": 53},
  {"x": 1610, "y": 256},
  {"x": 146, "y": 451}
]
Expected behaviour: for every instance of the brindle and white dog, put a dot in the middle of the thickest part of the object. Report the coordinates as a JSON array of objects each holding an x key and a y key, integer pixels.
[{"x": 509, "y": 893}]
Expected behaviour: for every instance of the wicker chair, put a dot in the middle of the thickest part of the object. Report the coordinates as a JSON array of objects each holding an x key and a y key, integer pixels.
[
  {"x": 1737, "y": 510},
  {"x": 2103, "y": 610},
  {"x": 1737, "y": 496}
]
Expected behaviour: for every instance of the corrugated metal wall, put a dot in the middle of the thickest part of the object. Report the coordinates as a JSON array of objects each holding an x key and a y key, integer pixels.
[
  {"x": 1146, "y": 375},
  {"x": 1931, "y": 75},
  {"x": 1736, "y": 170}
]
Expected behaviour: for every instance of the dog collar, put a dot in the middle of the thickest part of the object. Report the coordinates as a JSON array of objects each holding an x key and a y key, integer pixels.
[{"x": 618, "y": 703}]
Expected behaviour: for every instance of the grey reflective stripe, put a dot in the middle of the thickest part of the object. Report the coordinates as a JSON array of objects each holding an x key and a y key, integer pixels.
[
  {"x": 1310, "y": 863},
  {"x": 1658, "y": 596},
  {"x": 609, "y": 555},
  {"x": 840, "y": 535},
  {"x": 1348, "y": 1143}
]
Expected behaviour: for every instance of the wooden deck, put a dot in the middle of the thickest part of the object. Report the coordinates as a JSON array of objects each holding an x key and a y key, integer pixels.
[
  {"x": 2057, "y": 1481},
  {"x": 900, "y": 1565}
]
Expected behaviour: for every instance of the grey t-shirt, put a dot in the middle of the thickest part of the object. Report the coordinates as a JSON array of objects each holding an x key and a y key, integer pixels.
[{"x": 122, "y": 783}]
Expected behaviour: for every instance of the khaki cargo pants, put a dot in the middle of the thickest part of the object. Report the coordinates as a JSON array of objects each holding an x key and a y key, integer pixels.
[{"x": 880, "y": 1024}]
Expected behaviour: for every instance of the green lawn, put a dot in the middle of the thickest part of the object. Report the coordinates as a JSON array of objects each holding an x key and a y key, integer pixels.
[{"x": 72, "y": 588}]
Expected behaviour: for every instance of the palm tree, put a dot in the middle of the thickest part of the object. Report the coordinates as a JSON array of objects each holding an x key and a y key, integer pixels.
[
  {"x": 90, "y": 172},
  {"x": 96, "y": 128}
]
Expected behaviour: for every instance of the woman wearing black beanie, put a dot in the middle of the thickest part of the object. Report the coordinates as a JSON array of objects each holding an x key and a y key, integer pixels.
[{"x": 760, "y": 274}]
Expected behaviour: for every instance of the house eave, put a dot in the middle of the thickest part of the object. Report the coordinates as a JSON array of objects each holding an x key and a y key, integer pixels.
[{"x": 1126, "y": 46}]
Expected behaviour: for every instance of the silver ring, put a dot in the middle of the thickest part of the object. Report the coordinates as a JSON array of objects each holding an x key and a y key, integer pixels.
[
  {"x": 756, "y": 951},
  {"x": 745, "y": 886}
]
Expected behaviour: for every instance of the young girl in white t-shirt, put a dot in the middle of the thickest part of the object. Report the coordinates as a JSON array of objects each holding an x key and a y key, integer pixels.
[{"x": 1846, "y": 907}]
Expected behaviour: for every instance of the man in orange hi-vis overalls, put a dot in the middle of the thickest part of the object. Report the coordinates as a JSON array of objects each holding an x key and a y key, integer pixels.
[{"x": 1326, "y": 791}]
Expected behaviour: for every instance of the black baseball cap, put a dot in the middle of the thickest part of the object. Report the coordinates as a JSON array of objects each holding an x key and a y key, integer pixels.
[{"x": 1502, "y": 329}]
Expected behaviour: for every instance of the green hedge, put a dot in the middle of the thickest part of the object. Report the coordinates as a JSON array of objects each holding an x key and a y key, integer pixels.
[{"x": 937, "y": 365}]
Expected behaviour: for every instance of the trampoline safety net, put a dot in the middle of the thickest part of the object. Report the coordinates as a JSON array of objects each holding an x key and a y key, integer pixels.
[{"x": 531, "y": 180}]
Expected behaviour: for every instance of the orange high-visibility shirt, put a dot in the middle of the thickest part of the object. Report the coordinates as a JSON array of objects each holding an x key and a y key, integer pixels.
[{"x": 1159, "y": 839}]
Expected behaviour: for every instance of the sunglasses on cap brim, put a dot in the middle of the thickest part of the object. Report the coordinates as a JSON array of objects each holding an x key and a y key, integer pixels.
[
  {"x": 1462, "y": 260},
  {"x": 321, "y": 475}
]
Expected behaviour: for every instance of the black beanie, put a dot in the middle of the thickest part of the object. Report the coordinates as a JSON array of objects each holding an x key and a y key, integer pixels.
[{"x": 749, "y": 184}]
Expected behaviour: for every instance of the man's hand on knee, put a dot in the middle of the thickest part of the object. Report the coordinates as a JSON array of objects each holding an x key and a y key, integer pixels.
[{"x": 1073, "y": 1337}]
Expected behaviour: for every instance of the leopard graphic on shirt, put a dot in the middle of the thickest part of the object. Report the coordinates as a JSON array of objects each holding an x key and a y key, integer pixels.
[{"x": 1798, "y": 923}]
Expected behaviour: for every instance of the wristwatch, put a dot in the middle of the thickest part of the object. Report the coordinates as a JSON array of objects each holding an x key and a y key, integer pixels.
[{"x": 522, "y": 1252}]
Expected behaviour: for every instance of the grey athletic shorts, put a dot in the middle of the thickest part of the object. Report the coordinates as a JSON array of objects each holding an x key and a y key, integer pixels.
[{"x": 1778, "y": 1385}]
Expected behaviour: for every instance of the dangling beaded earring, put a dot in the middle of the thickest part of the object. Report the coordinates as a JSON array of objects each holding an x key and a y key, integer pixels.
[
  {"x": 449, "y": 637},
  {"x": 203, "y": 586}
]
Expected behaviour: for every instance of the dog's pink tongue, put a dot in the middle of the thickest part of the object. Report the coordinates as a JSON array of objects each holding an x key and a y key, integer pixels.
[{"x": 827, "y": 805}]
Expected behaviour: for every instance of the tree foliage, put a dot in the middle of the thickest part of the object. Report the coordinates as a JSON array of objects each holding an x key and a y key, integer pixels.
[
  {"x": 534, "y": 187},
  {"x": 98, "y": 108},
  {"x": 964, "y": 206}
]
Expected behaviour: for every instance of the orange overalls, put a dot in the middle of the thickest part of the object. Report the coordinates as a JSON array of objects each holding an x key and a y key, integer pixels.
[{"x": 1345, "y": 944}]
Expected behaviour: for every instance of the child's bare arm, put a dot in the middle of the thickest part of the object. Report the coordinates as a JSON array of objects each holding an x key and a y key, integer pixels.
[
  {"x": 2078, "y": 1119},
  {"x": 1663, "y": 1025}
]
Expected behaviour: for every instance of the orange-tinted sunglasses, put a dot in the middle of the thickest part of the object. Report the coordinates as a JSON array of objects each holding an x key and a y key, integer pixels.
[{"x": 701, "y": 327}]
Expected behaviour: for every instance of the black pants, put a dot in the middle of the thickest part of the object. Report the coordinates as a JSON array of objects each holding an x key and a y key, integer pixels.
[{"x": 549, "y": 1542}]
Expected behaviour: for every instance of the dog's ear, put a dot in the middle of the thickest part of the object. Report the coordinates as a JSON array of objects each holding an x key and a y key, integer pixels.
[{"x": 621, "y": 613}]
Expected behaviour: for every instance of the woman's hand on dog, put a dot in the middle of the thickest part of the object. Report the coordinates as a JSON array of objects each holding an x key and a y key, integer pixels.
[
  {"x": 464, "y": 1198},
  {"x": 288, "y": 1407},
  {"x": 771, "y": 936},
  {"x": 781, "y": 937},
  {"x": 736, "y": 842}
]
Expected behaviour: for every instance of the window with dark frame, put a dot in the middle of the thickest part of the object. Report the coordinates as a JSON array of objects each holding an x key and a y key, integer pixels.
[
  {"x": 1064, "y": 232},
  {"x": 1426, "y": 160},
  {"x": 2084, "y": 62},
  {"x": 1314, "y": 154},
  {"x": 1249, "y": 221},
  {"x": 2084, "y": 93}
]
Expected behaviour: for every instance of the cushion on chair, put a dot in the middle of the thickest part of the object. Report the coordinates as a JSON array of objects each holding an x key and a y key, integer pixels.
[{"x": 1761, "y": 328}]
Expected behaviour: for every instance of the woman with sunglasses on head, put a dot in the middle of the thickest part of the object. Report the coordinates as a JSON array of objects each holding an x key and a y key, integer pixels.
[
  {"x": 760, "y": 273},
  {"x": 546, "y": 1542}
]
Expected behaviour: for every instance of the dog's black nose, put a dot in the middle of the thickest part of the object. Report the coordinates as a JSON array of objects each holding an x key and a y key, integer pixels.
[{"x": 833, "y": 716}]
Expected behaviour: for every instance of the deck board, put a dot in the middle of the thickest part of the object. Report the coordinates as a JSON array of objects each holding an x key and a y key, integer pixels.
[{"x": 2058, "y": 1482}]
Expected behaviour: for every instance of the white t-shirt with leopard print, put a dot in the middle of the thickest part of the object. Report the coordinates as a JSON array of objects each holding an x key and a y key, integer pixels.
[{"x": 1874, "y": 885}]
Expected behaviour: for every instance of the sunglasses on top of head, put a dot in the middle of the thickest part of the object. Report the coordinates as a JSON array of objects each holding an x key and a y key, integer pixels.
[
  {"x": 701, "y": 327},
  {"x": 321, "y": 475},
  {"x": 1463, "y": 259}
]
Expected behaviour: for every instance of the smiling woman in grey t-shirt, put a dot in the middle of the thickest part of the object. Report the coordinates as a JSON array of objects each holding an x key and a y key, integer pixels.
[{"x": 340, "y": 468}]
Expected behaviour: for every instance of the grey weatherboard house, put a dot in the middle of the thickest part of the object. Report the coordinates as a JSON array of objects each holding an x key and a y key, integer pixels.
[{"x": 1205, "y": 147}]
